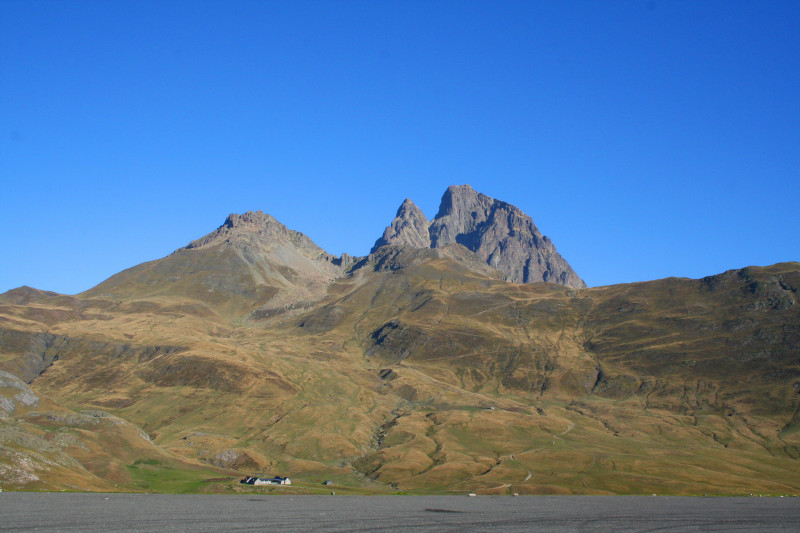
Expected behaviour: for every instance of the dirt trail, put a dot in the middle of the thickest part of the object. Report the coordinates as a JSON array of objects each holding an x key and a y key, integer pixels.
[
  {"x": 487, "y": 399},
  {"x": 558, "y": 435},
  {"x": 511, "y": 457}
]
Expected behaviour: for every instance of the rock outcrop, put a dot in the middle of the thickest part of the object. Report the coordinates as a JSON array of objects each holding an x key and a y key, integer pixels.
[
  {"x": 409, "y": 228},
  {"x": 499, "y": 233},
  {"x": 15, "y": 393}
]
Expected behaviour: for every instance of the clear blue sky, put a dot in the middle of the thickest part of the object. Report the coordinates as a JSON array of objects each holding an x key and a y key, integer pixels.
[{"x": 646, "y": 138}]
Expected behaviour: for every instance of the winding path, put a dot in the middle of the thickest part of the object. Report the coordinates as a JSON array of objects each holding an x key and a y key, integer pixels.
[{"x": 511, "y": 457}]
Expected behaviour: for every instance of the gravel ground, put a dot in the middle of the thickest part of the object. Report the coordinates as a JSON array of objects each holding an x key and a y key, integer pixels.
[{"x": 22, "y": 511}]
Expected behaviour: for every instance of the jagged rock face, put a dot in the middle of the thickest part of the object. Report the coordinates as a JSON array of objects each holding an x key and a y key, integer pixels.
[
  {"x": 499, "y": 233},
  {"x": 409, "y": 228},
  {"x": 462, "y": 211}
]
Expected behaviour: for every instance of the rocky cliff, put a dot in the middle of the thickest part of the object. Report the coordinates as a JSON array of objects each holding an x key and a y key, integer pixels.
[
  {"x": 499, "y": 233},
  {"x": 409, "y": 228}
]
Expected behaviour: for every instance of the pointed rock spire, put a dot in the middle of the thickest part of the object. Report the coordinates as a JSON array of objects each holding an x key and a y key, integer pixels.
[{"x": 409, "y": 228}]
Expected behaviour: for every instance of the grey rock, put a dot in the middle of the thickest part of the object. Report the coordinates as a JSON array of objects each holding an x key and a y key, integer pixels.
[
  {"x": 500, "y": 234},
  {"x": 462, "y": 213},
  {"x": 409, "y": 228},
  {"x": 345, "y": 260},
  {"x": 16, "y": 393}
]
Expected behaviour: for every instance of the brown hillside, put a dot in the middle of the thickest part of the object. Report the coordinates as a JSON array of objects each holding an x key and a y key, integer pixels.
[{"x": 413, "y": 369}]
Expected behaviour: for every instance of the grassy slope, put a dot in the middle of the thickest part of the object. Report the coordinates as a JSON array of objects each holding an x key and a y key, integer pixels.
[
  {"x": 44, "y": 446},
  {"x": 674, "y": 386}
]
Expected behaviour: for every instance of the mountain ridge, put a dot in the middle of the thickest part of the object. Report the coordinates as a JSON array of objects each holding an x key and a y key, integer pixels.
[
  {"x": 416, "y": 368},
  {"x": 252, "y": 261}
]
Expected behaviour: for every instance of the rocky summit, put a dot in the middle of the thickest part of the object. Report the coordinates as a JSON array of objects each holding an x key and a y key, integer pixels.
[
  {"x": 436, "y": 364},
  {"x": 501, "y": 234},
  {"x": 409, "y": 228}
]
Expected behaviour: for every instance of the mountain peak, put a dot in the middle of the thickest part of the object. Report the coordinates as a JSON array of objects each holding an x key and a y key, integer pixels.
[
  {"x": 498, "y": 232},
  {"x": 250, "y": 261},
  {"x": 409, "y": 228},
  {"x": 461, "y": 210},
  {"x": 248, "y": 218},
  {"x": 253, "y": 226},
  {"x": 407, "y": 205},
  {"x": 502, "y": 234}
]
